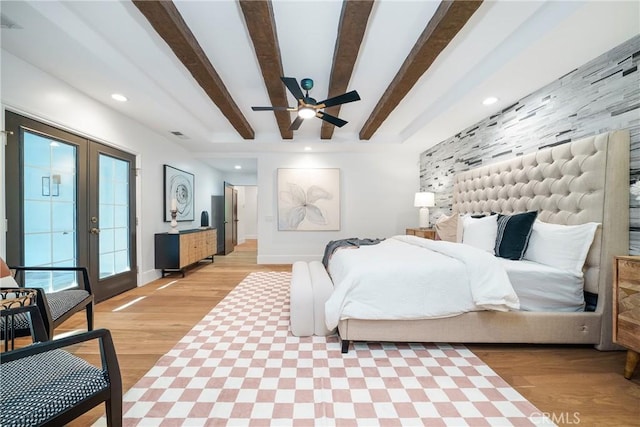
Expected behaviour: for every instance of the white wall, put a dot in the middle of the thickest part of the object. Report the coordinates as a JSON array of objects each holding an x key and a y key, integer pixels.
[
  {"x": 31, "y": 92},
  {"x": 376, "y": 192},
  {"x": 239, "y": 178}
]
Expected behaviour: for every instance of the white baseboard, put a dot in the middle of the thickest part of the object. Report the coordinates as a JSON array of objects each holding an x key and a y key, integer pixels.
[
  {"x": 287, "y": 259},
  {"x": 149, "y": 276}
]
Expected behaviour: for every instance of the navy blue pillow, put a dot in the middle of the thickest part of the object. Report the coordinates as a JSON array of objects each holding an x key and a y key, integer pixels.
[{"x": 513, "y": 234}]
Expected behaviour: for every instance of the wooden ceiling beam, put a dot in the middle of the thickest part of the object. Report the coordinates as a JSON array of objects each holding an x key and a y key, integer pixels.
[
  {"x": 261, "y": 24},
  {"x": 447, "y": 21},
  {"x": 165, "y": 18},
  {"x": 353, "y": 23}
]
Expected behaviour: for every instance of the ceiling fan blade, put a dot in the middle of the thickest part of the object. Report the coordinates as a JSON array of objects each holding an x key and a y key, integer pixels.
[
  {"x": 293, "y": 86},
  {"x": 296, "y": 123},
  {"x": 340, "y": 99},
  {"x": 331, "y": 119},
  {"x": 273, "y": 108}
]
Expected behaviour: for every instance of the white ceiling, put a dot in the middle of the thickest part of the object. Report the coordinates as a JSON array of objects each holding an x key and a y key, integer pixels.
[{"x": 508, "y": 49}]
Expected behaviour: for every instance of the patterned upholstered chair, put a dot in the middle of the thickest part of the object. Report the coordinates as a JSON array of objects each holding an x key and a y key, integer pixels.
[
  {"x": 55, "y": 307},
  {"x": 45, "y": 385},
  {"x": 23, "y": 308}
]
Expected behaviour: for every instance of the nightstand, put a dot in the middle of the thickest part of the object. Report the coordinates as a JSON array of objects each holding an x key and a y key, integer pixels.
[
  {"x": 626, "y": 308},
  {"x": 427, "y": 233}
]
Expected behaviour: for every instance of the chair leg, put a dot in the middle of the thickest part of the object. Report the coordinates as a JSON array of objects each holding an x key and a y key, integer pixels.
[
  {"x": 90, "y": 317},
  {"x": 113, "y": 411}
]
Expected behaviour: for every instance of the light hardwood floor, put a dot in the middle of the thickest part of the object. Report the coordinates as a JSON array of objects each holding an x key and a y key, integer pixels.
[{"x": 574, "y": 385}]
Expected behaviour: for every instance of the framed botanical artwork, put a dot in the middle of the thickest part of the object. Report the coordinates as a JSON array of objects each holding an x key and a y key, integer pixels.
[
  {"x": 178, "y": 194},
  {"x": 308, "y": 199}
]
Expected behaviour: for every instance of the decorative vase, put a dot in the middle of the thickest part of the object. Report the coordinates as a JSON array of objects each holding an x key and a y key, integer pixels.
[{"x": 174, "y": 222}]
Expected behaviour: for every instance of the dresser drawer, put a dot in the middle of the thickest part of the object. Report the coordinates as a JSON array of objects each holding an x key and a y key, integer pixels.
[
  {"x": 626, "y": 309},
  {"x": 628, "y": 272}
]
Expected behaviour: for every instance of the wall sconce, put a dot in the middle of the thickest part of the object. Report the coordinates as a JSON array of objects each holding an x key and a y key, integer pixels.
[
  {"x": 424, "y": 200},
  {"x": 55, "y": 181},
  {"x": 51, "y": 185}
]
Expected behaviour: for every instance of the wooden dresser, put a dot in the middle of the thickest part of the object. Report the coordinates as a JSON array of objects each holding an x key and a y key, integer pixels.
[
  {"x": 174, "y": 252},
  {"x": 626, "y": 308},
  {"x": 427, "y": 233}
]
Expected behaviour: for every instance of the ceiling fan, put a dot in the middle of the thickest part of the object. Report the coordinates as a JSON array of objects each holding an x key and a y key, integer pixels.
[{"x": 308, "y": 107}]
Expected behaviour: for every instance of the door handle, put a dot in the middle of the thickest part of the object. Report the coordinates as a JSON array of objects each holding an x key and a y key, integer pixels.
[{"x": 94, "y": 230}]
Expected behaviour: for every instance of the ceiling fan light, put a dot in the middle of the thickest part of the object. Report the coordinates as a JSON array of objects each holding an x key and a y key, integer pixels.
[{"x": 306, "y": 112}]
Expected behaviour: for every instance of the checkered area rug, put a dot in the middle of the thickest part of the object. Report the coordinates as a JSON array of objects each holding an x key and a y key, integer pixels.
[{"x": 240, "y": 366}]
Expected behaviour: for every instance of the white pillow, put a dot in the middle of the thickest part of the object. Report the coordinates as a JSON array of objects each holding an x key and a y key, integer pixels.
[
  {"x": 8, "y": 282},
  {"x": 561, "y": 246},
  {"x": 480, "y": 232}
]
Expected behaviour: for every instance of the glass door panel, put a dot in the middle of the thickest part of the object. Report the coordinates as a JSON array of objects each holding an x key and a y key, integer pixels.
[
  {"x": 50, "y": 206},
  {"x": 112, "y": 226},
  {"x": 113, "y": 211}
]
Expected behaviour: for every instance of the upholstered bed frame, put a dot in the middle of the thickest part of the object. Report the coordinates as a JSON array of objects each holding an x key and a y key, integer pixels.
[{"x": 577, "y": 182}]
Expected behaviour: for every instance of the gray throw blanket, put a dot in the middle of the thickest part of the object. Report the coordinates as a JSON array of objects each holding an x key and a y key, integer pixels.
[{"x": 333, "y": 245}]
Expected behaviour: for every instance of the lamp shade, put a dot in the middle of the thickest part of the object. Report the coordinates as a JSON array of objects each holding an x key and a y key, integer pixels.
[{"x": 424, "y": 199}]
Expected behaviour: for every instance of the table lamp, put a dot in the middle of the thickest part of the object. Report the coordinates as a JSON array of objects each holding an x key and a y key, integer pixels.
[{"x": 424, "y": 200}]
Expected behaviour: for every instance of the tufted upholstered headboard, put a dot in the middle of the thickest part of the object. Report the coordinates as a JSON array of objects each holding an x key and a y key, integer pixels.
[{"x": 573, "y": 183}]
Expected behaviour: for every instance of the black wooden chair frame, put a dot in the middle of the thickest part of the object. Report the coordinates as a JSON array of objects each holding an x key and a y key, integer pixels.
[
  {"x": 111, "y": 396},
  {"x": 86, "y": 304},
  {"x": 36, "y": 325}
]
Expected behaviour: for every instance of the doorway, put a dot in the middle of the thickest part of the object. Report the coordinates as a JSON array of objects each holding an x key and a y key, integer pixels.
[
  {"x": 70, "y": 202},
  {"x": 247, "y": 212},
  {"x": 230, "y": 218}
]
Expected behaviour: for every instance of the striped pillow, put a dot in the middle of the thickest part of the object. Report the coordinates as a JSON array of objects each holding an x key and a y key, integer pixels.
[{"x": 513, "y": 234}]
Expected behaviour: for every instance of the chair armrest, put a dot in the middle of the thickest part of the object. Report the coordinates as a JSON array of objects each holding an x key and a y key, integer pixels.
[
  {"x": 107, "y": 352},
  {"x": 43, "y": 307},
  {"x": 19, "y": 274},
  {"x": 102, "y": 334},
  {"x": 38, "y": 331},
  {"x": 12, "y": 297},
  {"x": 45, "y": 311}
]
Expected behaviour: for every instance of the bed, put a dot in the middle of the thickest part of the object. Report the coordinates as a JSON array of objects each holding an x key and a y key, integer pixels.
[{"x": 584, "y": 181}]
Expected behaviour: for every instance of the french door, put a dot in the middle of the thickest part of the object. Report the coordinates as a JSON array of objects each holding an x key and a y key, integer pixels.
[{"x": 70, "y": 202}]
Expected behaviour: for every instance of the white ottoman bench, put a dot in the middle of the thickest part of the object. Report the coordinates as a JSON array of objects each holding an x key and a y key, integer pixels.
[{"x": 310, "y": 288}]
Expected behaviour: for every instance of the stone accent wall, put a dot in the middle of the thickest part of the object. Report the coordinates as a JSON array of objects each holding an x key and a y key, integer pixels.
[{"x": 601, "y": 95}]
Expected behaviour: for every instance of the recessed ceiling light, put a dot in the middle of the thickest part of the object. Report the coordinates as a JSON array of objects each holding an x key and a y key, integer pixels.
[
  {"x": 490, "y": 100},
  {"x": 119, "y": 97},
  {"x": 238, "y": 167},
  {"x": 307, "y": 148}
]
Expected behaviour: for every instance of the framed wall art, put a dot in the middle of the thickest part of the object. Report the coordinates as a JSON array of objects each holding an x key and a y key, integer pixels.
[
  {"x": 178, "y": 193},
  {"x": 308, "y": 199}
]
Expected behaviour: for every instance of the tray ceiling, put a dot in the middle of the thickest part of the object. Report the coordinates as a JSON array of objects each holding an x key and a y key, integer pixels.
[{"x": 422, "y": 68}]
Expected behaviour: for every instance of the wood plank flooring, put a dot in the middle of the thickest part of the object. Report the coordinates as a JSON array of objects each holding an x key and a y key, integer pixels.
[{"x": 574, "y": 385}]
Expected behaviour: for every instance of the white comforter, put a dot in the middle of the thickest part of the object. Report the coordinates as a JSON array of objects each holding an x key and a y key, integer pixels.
[{"x": 407, "y": 277}]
